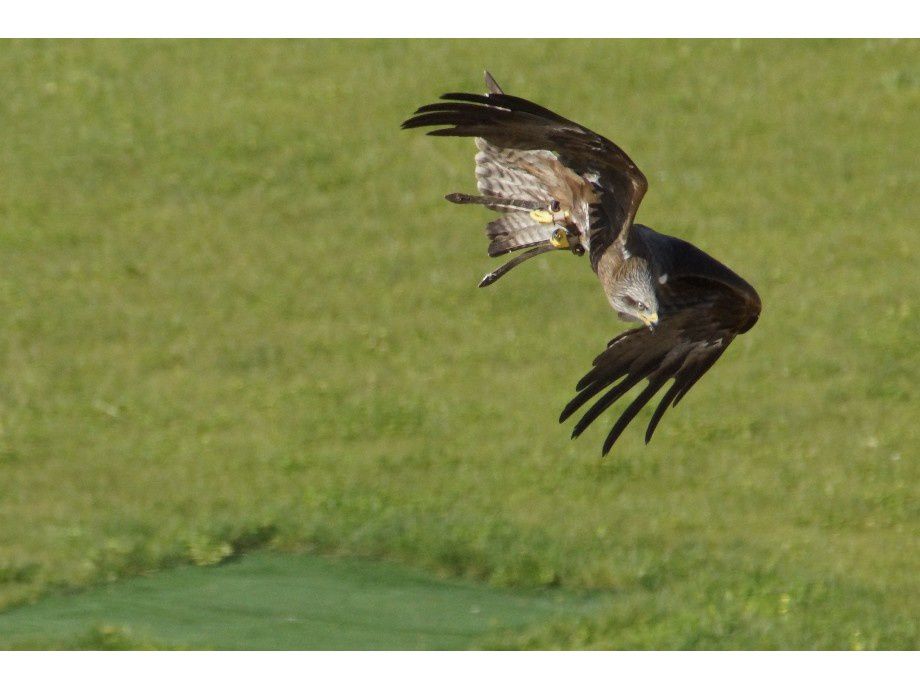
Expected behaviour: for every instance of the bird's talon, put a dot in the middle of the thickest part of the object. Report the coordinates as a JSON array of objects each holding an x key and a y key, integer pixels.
[{"x": 560, "y": 239}]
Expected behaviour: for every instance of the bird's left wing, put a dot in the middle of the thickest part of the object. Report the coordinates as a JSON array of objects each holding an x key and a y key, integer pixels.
[{"x": 703, "y": 305}]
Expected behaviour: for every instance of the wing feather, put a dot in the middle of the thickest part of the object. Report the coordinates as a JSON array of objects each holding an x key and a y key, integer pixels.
[{"x": 703, "y": 306}]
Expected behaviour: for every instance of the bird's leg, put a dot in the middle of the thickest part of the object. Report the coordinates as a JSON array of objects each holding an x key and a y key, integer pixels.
[
  {"x": 565, "y": 233},
  {"x": 567, "y": 238},
  {"x": 560, "y": 238},
  {"x": 551, "y": 214}
]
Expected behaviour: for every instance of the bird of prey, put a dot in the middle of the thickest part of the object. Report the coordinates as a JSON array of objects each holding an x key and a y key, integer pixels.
[{"x": 560, "y": 186}]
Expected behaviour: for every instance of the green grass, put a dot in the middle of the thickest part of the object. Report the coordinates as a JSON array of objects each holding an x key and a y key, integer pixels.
[
  {"x": 236, "y": 314},
  {"x": 283, "y": 602}
]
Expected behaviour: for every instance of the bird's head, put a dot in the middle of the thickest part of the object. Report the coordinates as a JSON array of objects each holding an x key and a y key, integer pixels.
[{"x": 636, "y": 300}]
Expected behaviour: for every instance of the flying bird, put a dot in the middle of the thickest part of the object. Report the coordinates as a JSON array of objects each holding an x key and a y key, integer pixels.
[{"x": 561, "y": 187}]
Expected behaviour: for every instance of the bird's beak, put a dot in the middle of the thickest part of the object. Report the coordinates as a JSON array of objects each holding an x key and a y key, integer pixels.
[{"x": 650, "y": 320}]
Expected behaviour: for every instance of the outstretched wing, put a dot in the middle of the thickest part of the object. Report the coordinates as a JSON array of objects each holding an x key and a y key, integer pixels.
[
  {"x": 509, "y": 123},
  {"x": 703, "y": 305}
]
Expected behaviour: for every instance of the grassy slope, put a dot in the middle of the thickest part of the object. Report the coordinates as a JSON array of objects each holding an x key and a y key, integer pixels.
[{"x": 235, "y": 312}]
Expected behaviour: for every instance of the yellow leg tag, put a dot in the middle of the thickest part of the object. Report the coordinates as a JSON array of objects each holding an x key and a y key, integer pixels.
[{"x": 542, "y": 216}]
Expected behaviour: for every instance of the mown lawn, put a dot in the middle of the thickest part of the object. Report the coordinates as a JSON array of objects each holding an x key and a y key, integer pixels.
[
  {"x": 284, "y": 601},
  {"x": 236, "y": 314}
]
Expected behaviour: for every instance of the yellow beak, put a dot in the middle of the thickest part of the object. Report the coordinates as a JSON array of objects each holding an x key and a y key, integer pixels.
[{"x": 650, "y": 320}]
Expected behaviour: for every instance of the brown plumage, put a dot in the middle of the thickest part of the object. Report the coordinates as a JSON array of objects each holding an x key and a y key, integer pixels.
[{"x": 561, "y": 186}]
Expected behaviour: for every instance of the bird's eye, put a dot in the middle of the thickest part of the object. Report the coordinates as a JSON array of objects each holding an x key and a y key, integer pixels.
[{"x": 640, "y": 306}]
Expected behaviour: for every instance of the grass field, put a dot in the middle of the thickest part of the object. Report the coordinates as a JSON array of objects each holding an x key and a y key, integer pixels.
[
  {"x": 289, "y": 602},
  {"x": 237, "y": 315}
]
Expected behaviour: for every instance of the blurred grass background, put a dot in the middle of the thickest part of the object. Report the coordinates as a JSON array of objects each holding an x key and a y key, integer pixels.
[{"x": 236, "y": 314}]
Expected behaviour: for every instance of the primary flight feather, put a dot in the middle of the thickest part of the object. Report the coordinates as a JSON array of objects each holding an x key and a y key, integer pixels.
[{"x": 560, "y": 186}]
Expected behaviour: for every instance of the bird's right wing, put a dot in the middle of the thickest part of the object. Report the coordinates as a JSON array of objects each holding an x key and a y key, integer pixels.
[{"x": 521, "y": 136}]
